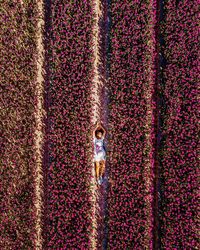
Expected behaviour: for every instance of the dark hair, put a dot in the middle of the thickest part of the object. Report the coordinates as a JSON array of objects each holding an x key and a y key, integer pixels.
[{"x": 99, "y": 130}]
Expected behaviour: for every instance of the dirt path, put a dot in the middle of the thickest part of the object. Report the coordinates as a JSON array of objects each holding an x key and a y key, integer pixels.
[
  {"x": 150, "y": 167},
  {"x": 39, "y": 125},
  {"x": 104, "y": 99},
  {"x": 99, "y": 101},
  {"x": 148, "y": 147},
  {"x": 95, "y": 114}
]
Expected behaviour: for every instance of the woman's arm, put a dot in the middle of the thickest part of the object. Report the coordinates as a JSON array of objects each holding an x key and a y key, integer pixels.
[
  {"x": 94, "y": 132},
  {"x": 103, "y": 129},
  {"x": 95, "y": 128},
  {"x": 99, "y": 126}
]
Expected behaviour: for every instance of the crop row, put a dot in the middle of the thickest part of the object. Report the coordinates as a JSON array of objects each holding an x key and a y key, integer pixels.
[
  {"x": 131, "y": 131},
  {"x": 18, "y": 101},
  {"x": 178, "y": 148},
  {"x": 68, "y": 207},
  {"x": 67, "y": 221}
]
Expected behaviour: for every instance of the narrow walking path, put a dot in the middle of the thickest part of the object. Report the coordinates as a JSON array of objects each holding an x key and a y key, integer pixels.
[
  {"x": 104, "y": 100},
  {"x": 95, "y": 115},
  {"x": 150, "y": 131},
  {"x": 151, "y": 95},
  {"x": 39, "y": 125},
  {"x": 99, "y": 103}
]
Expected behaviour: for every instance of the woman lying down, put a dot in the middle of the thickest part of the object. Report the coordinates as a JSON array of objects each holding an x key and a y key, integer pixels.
[{"x": 99, "y": 152}]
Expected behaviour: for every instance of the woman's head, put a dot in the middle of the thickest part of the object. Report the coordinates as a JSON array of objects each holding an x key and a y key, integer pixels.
[{"x": 99, "y": 133}]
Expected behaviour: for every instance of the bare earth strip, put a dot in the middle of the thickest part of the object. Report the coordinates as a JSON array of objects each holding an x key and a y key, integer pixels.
[
  {"x": 39, "y": 125},
  {"x": 149, "y": 91},
  {"x": 102, "y": 230},
  {"x": 95, "y": 113}
]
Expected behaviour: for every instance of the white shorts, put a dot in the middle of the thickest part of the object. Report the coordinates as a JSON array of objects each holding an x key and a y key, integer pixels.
[{"x": 100, "y": 156}]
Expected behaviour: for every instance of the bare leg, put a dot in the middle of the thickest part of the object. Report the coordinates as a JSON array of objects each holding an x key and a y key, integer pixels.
[
  {"x": 102, "y": 168},
  {"x": 97, "y": 166}
]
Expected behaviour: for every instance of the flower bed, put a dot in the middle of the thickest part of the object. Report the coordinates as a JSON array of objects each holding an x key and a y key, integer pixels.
[
  {"x": 178, "y": 153},
  {"x": 131, "y": 88},
  {"x": 17, "y": 164},
  {"x": 68, "y": 209}
]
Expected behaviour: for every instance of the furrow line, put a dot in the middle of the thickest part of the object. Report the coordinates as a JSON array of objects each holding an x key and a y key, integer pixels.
[
  {"x": 95, "y": 114},
  {"x": 39, "y": 126}
]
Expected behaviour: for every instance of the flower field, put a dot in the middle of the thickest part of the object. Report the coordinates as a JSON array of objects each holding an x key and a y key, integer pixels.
[
  {"x": 131, "y": 125},
  {"x": 18, "y": 101},
  {"x": 133, "y": 65},
  {"x": 68, "y": 204},
  {"x": 179, "y": 164}
]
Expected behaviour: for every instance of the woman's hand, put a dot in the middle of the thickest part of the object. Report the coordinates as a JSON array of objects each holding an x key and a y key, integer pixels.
[{"x": 99, "y": 124}]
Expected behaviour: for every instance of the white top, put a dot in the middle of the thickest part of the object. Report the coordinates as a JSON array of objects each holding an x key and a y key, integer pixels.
[{"x": 98, "y": 145}]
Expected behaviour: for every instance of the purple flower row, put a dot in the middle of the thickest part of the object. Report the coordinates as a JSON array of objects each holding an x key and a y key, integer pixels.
[
  {"x": 69, "y": 220},
  {"x": 131, "y": 86},
  {"x": 178, "y": 148}
]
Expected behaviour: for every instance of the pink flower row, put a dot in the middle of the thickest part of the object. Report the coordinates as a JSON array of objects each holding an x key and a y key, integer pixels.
[
  {"x": 68, "y": 210},
  {"x": 129, "y": 201},
  {"x": 178, "y": 148}
]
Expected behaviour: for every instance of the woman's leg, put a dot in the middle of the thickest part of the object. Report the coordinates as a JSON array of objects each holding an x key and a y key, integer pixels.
[
  {"x": 97, "y": 166},
  {"x": 102, "y": 168}
]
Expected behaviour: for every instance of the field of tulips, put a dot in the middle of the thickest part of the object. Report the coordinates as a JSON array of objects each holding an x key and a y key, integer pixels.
[
  {"x": 178, "y": 151},
  {"x": 18, "y": 101},
  {"x": 68, "y": 207},
  {"x": 131, "y": 85},
  {"x": 149, "y": 55}
]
